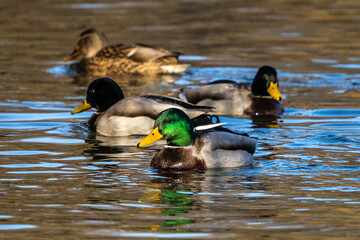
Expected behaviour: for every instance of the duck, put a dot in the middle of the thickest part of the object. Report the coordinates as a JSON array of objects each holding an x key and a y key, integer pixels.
[
  {"x": 227, "y": 97},
  {"x": 101, "y": 59},
  {"x": 119, "y": 116},
  {"x": 189, "y": 149}
]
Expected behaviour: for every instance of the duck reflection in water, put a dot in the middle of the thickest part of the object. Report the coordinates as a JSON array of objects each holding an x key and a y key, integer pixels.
[
  {"x": 266, "y": 121},
  {"x": 186, "y": 192}
]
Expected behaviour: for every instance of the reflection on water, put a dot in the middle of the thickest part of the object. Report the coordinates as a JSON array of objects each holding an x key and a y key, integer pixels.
[{"x": 60, "y": 180}]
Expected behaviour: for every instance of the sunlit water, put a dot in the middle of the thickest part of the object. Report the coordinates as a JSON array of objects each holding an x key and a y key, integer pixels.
[{"x": 59, "y": 180}]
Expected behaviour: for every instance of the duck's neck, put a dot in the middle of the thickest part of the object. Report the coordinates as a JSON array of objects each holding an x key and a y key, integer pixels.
[
  {"x": 97, "y": 43},
  {"x": 183, "y": 139}
]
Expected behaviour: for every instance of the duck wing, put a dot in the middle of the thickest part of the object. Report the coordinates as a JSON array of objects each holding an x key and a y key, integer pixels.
[
  {"x": 146, "y": 53},
  {"x": 114, "y": 51},
  {"x": 218, "y": 90},
  {"x": 225, "y": 140},
  {"x": 149, "y": 107},
  {"x": 139, "y": 53}
]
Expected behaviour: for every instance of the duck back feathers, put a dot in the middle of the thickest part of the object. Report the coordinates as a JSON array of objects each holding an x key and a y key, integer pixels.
[{"x": 226, "y": 97}]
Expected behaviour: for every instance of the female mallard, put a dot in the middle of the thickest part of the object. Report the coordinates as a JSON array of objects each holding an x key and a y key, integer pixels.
[
  {"x": 103, "y": 59},
  {"x": 187, "y": 149},
  {"x": 119, "y": 116},
  {"x": 229, "y": 97}
]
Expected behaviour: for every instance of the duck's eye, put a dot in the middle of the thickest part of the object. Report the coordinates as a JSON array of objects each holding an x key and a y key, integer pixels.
[
  {"x": 92, "y": 91},
  {"x": 168, "y": 121}
]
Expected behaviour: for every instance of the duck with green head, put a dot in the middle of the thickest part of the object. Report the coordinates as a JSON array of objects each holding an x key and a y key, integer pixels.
[
  {"x": 101, "y": 59},
  {"x": 187, "y": 149},
  {"x": 262, "y": 97},
  {"x": 119, "y": 116}
]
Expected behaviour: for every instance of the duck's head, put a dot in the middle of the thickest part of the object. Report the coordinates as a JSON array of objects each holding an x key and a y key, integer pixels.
[
  {"x": 174, "y": 126},
  {"x": 101, "y": 94},
  {"x": 266, "y": 83},
  {"x": 89, "y": 43}
]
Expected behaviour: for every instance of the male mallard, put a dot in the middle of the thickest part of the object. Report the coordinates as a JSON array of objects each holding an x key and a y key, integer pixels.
[
  {"x": 187, "y": 149},
  {"x": 119, "y": 116},
  {"x": 103, "y": 59},
  {"x": 229, "y": 97}
]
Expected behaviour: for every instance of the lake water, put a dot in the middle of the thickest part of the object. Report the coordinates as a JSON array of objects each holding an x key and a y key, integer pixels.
[{"x": 60, "y": 181}]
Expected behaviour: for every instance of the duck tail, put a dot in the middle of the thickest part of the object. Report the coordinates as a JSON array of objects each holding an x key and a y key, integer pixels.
[{"x": 174, "y": 68}]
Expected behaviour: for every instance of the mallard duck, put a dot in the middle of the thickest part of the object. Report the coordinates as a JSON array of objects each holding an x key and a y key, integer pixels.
[
  {"x": 119, "y": 116},
  {"x": 102, "y": 59},
  {"x": 231, "y": 98},
  {"x": 188, "y": 149}
]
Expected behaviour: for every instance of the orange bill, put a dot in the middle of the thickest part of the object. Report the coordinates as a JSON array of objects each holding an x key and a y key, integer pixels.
[
  {"x": 274, "y": 91},
  {"x": 73, "y": 55},
  {"x": 152, "y": 137},
  {"x": 85, "y": 106}
]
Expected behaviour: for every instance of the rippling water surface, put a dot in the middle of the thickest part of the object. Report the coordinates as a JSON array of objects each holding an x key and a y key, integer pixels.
[{"x": 59, "y": 180}]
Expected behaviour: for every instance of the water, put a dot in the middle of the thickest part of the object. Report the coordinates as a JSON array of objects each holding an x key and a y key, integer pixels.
[{"x": 58, "y": 180}]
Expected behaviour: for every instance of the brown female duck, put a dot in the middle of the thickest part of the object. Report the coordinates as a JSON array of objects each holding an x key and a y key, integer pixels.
[{"x": 102, "y": 59}]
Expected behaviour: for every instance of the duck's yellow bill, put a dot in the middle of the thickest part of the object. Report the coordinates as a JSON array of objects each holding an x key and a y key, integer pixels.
[
  {"x": 152, "y": 137},
  {"x": 73, "y": 55},
  {"x": 85, "y": 106},
  {"x": 274, "y": 91}
]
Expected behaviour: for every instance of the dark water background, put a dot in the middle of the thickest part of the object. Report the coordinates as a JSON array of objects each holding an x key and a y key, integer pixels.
[{"x": 59, "y": 181}]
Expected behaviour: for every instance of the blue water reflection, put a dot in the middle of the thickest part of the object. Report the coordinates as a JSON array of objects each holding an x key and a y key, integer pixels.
[{"x": 307, "y": 156}]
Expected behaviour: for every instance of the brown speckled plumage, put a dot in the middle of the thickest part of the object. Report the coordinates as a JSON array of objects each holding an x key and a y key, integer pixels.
[
  {"x": 112, "y": 60},
  {"x": 101, "y": 59}
]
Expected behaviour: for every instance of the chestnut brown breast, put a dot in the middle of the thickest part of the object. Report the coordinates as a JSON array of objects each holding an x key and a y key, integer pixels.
[
  {"x": 179, "y": 158},
  {"x": 264, "y": 106}
]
